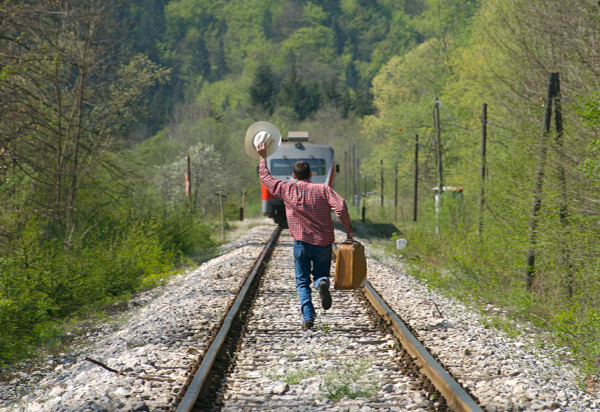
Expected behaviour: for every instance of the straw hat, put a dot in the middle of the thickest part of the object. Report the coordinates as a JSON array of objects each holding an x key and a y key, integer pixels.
[{"x": 262, "y": 132}]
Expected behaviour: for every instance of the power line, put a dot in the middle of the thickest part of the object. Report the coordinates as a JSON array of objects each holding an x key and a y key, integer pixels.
[
  {"x": 452, "y": 119},
  {"x": 498, "y": 131},
  {"x": 454, "y": 122}
]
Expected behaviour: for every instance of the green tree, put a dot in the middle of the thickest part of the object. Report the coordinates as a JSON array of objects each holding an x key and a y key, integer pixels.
[
  {"x": 71, "y": 106},
  {"x": 589, "y": 111},
  {"x": 263, "y": 90},
  {"x": 267, "y": 23},
  {"x": 331, "y": 93},
  {"x": 296, "y": 94},
  {"x": 74, "y": 91},
  {"x": 352, "y": 76}
]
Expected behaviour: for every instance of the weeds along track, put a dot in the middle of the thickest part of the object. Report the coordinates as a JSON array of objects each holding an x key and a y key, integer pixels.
[{"x": 349, "y": 360}]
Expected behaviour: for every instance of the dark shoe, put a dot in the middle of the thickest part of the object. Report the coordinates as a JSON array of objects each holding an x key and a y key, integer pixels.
[
  {"x": 308, "y": 324},
  {"x": 325, "y": 295}
]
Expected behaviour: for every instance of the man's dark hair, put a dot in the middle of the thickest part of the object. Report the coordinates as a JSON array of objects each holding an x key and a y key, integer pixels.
[{"x": 302, "y": 170}]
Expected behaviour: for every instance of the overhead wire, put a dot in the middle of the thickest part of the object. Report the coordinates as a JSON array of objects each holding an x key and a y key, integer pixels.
[
  {"x": 455, "y": 123},
  {"x": 451, "y": 118},
  {"x": 498, "y": 131}
]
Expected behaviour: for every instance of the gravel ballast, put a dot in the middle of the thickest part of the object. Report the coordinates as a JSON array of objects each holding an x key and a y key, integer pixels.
[{"x": 167, "y": 329}]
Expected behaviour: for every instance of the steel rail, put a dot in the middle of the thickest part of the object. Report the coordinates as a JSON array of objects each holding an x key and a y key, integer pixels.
[
  {"x": 455, "y": 395},
  {"x": 203, "y": 374}
]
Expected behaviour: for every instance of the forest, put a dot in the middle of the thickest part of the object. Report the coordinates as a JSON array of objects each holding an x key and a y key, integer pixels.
[{"x": 471, "y": 125}]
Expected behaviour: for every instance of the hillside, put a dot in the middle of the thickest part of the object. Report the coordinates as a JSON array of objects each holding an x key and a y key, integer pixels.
[{"x": 103, "y": 101}]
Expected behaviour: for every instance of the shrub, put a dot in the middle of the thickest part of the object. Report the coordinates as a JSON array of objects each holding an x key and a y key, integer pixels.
[{"x": 43, "y": 282}]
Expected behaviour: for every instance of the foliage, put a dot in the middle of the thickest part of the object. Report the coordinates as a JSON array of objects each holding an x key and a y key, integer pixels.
[
  {"x": 207, "y": 43},
  {"x": 263, "y": 90},
  {"x": 73, "y": 233},
  {"x": 100, "y": 121},
  {"x": 205, "y": 163},
  {"x": 476, "y": 251},
  {"x": 66, "y": 106},
  {"x": 297, "y": 95},
  {"x": 295, "y": 376},
  {"x": 42, "y": 281},
  {"x": 579, "y": 329},
  {"x": 589, "y": 110}
]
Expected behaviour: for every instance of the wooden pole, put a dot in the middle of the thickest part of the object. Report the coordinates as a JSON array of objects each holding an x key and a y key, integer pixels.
[
  {"x": 438, "y": 145},
  {"x": 364, "y": 208},
  {"x": 381, "y": 178},
  {"x": 354, "y": 174},
  {"x": 416, "y": 185},
  {"x": 438, "y": 151},
  {"x": 536, "y": 202},
  {"x": 562, "y": 181},
  {"x": 482, "y": 171},
  {"x": 396, "y": 192},
  {"x": 243, "y": 205},
  {"x": 188, "y": 183},
  {"x": 559, "y": 143},
  {"x": 222, "y": 216},
  {"x": 346, "y": 173}
]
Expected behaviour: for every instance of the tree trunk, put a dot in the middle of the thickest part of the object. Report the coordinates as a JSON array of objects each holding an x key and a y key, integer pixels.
[{"x": 78, "y": 111}]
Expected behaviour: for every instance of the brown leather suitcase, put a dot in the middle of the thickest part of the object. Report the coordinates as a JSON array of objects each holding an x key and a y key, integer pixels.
[{"x": 350, "y": 266}]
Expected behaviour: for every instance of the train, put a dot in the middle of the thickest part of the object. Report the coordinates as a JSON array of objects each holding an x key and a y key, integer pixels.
[{"x": 281, "y": 162}]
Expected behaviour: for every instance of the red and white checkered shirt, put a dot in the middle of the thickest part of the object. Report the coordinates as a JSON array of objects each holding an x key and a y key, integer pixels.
[{"x": 308, "y": 207}]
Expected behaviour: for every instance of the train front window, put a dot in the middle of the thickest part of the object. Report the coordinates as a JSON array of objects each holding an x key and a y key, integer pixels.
[{"x": 285, "y": 167}]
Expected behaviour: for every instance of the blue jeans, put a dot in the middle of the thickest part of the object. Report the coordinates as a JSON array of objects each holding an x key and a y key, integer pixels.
[{"x": 310, "y": 259}]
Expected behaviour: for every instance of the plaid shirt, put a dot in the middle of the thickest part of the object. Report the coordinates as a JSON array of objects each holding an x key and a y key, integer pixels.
[{"x": 308, "y": 207}]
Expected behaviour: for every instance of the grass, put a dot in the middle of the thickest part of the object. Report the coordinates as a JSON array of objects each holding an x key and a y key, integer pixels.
[
  {"x": 323, "y": 327},
  {"x": 457, "y": 265},
  {"x": 498, "y": 322},
  {"x": 352, "y": 381},
  {"x": 293, "y": 376}
]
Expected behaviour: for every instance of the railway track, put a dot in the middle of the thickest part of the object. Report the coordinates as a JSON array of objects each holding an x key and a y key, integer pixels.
[
  {"x": 154, "y": 351},
  {"x": 359, "y": 353}
]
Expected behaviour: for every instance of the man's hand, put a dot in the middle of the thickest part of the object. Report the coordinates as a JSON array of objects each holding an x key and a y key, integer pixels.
[{"x": 261, "y": 150}]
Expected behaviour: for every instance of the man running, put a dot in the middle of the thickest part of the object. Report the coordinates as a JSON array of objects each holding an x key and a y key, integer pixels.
[{"x": 308, "y": 209}]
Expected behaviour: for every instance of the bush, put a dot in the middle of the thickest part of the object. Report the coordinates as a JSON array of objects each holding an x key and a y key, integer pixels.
[
  {"x": 188, "y": 234},
  {"x": 42, "y": 282}
]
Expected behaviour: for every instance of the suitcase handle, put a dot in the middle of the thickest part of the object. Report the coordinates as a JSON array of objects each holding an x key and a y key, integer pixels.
[{"x": 350, "y": 241}]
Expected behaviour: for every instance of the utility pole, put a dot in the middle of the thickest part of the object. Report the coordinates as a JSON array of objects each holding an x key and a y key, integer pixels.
[
  {"x": 243, "y": 205},
  {"x": 364, "y": 208},
  {"x": 396, "y": 192},
  {"x": 188, "y": 183},
  {"x": 381, "y": 164},
  {"x": 346, "y": 173},
  {"x": 354, "y": 174},
  {"x": 438, "y": 147},
  {"x": 357, "y": 180},
  {"x": 536, "y": 202},
  {"x": 416, "y": 186},
  {"x": 220, "y": 194},
  {"x": 558, "y": 124},
  {"x": 482, "y": 172}
]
